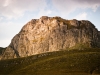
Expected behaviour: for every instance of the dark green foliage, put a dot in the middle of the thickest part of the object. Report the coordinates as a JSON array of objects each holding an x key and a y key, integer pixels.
[
  {"x": 74, "y": 62},
  {"x": 2, "y": 50}
]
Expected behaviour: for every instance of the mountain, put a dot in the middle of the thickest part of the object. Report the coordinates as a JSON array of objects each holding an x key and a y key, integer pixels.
[{"x": 49, "y": 34}]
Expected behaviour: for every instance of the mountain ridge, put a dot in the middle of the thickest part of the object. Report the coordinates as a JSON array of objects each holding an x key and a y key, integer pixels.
[{"x": 49, "y": 34}]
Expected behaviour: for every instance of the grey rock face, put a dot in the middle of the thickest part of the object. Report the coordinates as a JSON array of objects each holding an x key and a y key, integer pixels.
[{"x": 51, "y": 34}]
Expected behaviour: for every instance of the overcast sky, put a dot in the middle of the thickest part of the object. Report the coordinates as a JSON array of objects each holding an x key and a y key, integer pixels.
[{"x": 16, "y": 13}]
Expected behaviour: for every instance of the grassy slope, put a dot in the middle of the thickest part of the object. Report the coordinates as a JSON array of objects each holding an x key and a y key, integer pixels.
[{"x": 74, "y": 62}]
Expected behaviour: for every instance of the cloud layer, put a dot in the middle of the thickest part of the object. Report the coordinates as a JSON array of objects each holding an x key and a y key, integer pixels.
[
  {"x": 16, "y": 8},
  {"x": 68, "y": 6},
  {"x": 81, "y": 16}
]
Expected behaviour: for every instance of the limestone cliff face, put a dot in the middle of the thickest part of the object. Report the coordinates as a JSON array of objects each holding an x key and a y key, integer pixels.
[{"x": 51, "y": 34}]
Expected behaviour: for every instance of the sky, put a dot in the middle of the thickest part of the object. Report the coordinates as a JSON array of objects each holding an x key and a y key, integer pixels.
[{"x": 14, "y": 14}]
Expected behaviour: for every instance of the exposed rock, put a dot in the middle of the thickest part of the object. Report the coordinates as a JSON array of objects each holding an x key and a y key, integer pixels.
[
  {"x": 51, "y": 34},
  {"x": 2, "y": 50}
]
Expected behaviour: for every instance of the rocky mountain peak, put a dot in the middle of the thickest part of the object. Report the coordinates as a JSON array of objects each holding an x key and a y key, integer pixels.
[{"x": 49, "y": 34}]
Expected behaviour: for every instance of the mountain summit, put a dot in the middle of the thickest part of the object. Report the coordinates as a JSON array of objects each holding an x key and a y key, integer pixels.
[{"x": 49, "y": 34}]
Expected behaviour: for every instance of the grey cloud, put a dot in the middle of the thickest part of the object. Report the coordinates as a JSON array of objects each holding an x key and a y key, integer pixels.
[
  {"x": 68, "y": 6},
  {"x": 88, "y": 1}
]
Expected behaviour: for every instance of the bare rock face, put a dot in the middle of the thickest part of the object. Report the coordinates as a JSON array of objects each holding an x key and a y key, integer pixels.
[
  {"x": 2, "y": 50},
  {"x": 49, "y": 34}
]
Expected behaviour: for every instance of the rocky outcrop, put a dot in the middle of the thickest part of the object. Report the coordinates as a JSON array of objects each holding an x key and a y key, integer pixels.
[
  {"x": 99, "y": 38},
  {"x": 2, "y": 50},
  {"x": 52, "y": 34}
]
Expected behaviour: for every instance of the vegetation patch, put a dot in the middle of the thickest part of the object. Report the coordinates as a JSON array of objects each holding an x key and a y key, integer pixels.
[
  {"x": 65, "y": 22},
  {"x": 2, "y": 50},
  {"x": 80, "y": 46}
]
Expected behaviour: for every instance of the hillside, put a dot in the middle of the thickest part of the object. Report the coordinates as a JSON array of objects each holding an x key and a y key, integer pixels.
[
  {"x": 73, "y": 62},
  {"x": 49, "y": 34}
]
